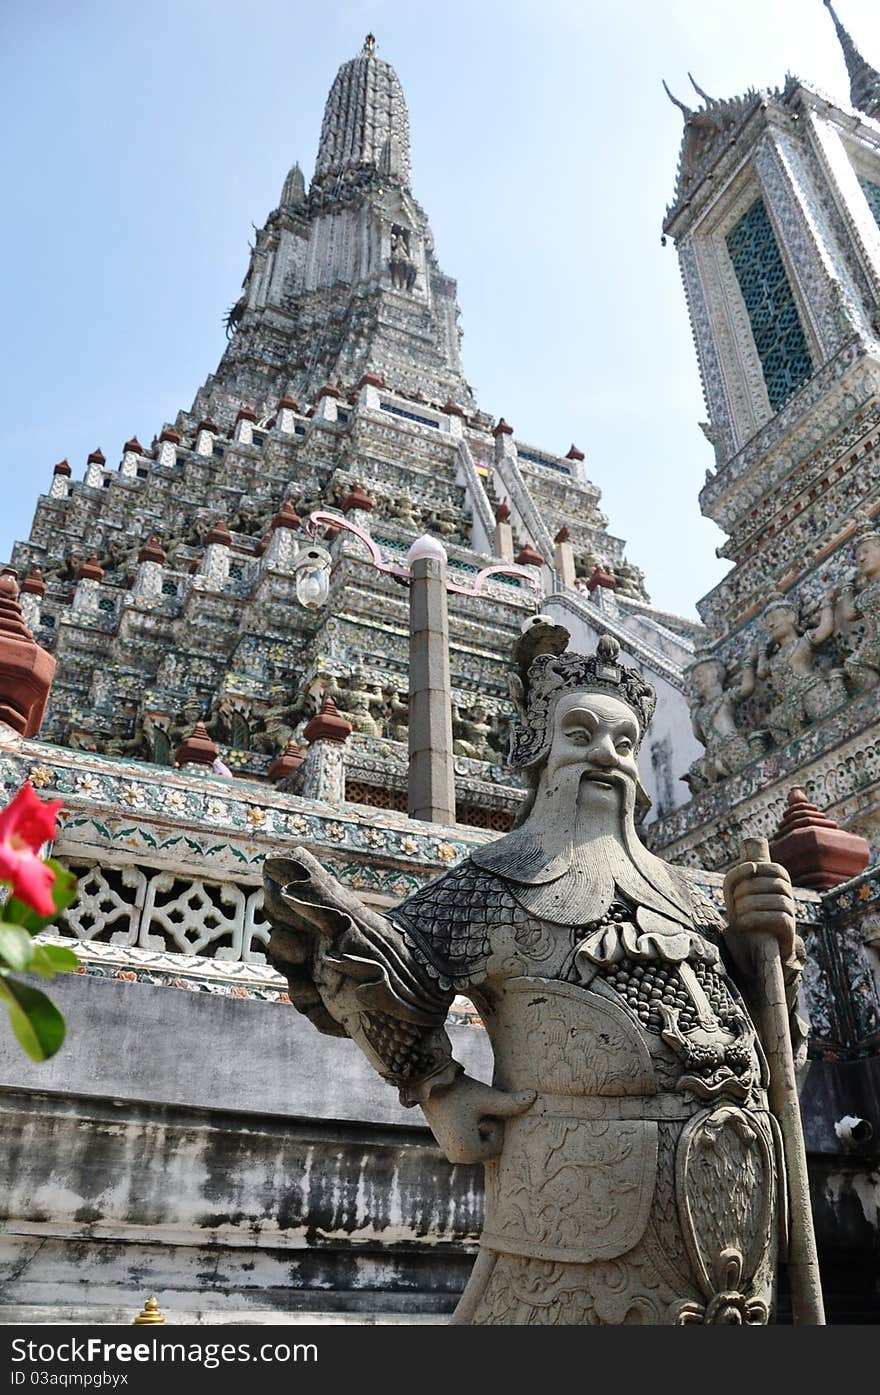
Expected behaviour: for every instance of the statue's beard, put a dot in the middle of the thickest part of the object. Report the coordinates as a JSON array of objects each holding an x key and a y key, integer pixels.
[{"x": 578, "y": 851}]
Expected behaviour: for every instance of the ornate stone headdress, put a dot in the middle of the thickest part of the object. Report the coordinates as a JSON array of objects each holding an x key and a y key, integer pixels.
[
  {"x": 544, "y": 677},
  {"x": 778, "y": 601},
  {"x": 703, "y": 657}
]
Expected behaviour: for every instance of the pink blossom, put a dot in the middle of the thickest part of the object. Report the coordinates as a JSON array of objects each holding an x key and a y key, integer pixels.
[{"x": 25, "y": 825}]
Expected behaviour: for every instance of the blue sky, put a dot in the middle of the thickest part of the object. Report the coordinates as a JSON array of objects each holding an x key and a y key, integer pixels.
[{"x": 145, "y": 140}]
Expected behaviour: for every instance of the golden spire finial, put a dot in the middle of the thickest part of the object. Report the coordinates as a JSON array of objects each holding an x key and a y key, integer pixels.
[
  {"x": 370, "y": 45},
  {"x": 149, "y": 1315}
]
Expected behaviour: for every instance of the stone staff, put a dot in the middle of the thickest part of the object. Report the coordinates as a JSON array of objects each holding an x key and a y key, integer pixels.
[{"x": 772, "y": 1010}]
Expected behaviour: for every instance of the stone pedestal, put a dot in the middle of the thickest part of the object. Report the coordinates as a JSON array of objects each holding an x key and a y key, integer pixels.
[
  {"x": 205, "y": 438},
  {"x": 285, "y": 420},
  {"x": 132, "y": 453},
  {"x": 563, "y": 559},
  {"x": 94, "y": 477},
  {"x": 60, "y": 486},
  {"x": 503, "y": 539},
  {"x": 244, "y": 425},
  {"x": 150, "y": 570},
  {"x": 322, "y": 775},
  {"x": 169, "y": 440}
]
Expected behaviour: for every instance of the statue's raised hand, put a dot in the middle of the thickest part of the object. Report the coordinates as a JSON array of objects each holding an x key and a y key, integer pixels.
[
  {"x": 467, "y": 1118},
  {"x": 759, "y": 901}
]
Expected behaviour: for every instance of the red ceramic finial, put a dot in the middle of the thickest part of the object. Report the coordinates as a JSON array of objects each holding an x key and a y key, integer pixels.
[
  {"x": 601, "y": 577},
  {"x": 529, "y": 557},
  {"x": 34, "y": 583},
  {"x": 197, "y": 748},
  {"x": 153, "y": 551},
  {"x": 246, "y": 413},
  {"x": 563, "y": 535},
  {"x": 62, "y": 468},
  {"x": 357, "y": 498},
  {"x": 90, "y": 570},
  {"x": 328, "y": 725},
  {"x": 574, "y": 453},
  {"x": 287, "y": 402},
  {"x": 287, "y": 517},
  {"x": 328, "y": 390},
  {"x": 290, "y": 759},
  {"x": 502, "y": 512},
  {"x": 26, "y": 670},
  {"x": 503, "y": 429},
  {"x": 813, "y": 849},
  {"x": 370, "y": 380},
  {"x": 134, "y": 446},
  {"x": 169, "y": 434},
  {"x": 219, "y": 533}
]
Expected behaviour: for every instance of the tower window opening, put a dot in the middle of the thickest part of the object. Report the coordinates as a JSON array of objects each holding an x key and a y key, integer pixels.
[{"x": 769, "y": 301}]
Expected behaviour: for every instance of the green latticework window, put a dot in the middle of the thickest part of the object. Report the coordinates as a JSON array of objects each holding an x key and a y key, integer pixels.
[
  {"x": 872, "y": 194},
  {"x": 779, "y": 338}
]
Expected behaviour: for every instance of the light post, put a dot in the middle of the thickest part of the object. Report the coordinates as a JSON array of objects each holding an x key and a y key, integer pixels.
[{"x": 431, "y": 793}]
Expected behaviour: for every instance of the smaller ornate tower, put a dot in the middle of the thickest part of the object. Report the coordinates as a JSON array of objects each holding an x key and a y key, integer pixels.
[{"x": 776, "y": 219}]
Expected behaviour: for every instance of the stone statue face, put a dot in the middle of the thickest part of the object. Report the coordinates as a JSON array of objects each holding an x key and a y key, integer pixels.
[
  {"x": 867, "y": 555},
  {"x": 709, "y": 680},
  {"x": 780, "y": 624},
  {"x": 598, "y": 734}
]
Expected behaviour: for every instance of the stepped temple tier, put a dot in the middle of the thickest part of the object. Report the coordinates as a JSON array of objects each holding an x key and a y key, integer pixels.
[
  {"x": 164, "y": 582},
  {"x": 246, "y": 634}
]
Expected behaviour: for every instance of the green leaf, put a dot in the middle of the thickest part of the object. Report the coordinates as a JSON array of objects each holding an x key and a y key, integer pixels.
[
  {"x": 64, "y": 892},
  {"x": 49, "y": 960},
  {"x": 16, "y": 947},
  {"x": 35, "y": 1019}
]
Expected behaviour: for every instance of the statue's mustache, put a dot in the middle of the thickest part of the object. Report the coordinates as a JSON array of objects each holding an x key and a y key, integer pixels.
[
  {"x": 569, "y": 781},
  {"x": 598, "y": 775}
]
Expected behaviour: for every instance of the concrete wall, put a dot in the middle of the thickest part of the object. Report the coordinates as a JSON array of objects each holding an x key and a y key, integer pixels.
[{"x": 223, "y": 1154}]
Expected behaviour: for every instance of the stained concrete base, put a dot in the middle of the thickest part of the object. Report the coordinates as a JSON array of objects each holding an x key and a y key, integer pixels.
[{"x": 223, "y": 1155}]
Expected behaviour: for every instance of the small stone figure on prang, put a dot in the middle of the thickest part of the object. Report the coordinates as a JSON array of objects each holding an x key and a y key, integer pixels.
[
  {"x": 192, "y": 711},
  {"x": 398, "y": 715},
  {"x": 282, "y": 718},
  {"x": 404, "y": 515},
  {"x": 859, "y": 609},
  {"x": 119, "y": 743},
  {"x": 803, "y": 693},
  {"x": 632, "y": 1170},
  {"x": 713, "y": 718},
  {"x": 400, "y": 264},
  {"x": 470, "y": 732},
  {"x": 358, "y": 698},
  {"x": 630, "y": 581}
]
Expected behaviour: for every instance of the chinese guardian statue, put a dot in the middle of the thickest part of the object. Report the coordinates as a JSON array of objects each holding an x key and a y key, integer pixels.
[{"x": 633, "y": 1168}]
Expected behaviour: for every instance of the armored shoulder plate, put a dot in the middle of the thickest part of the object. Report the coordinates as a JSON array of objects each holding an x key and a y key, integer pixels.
[{"x": 449, "y": 922}]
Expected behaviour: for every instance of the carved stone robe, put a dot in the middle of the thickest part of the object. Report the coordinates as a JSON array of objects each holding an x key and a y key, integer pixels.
[{"x": 643, "y": 1184}]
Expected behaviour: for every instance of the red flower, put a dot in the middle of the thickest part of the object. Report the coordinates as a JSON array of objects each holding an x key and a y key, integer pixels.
[{"x": 25, "y": 825}]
